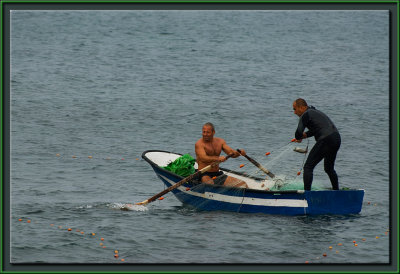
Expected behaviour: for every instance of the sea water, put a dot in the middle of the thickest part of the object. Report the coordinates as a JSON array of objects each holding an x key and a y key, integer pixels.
[{"x": 92, "y": 90}]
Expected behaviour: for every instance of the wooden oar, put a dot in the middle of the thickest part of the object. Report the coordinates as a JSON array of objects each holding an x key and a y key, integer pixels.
[
  {"x": 269, "y": 173},
  {"x": 181, "y": 182}
]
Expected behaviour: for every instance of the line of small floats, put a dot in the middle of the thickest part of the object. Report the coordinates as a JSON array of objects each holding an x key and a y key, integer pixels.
[
  {"x": 117, "y": 255},
  {"x": 93, "y": 235}
]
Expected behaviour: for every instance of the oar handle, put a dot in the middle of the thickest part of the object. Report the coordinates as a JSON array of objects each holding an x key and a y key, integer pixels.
[
  {"x": 269, "y": 173},
  {"x": 181, "y": 182}
]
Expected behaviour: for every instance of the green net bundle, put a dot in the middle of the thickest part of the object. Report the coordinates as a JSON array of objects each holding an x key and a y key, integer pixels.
[{"x": 183, "y": 166}]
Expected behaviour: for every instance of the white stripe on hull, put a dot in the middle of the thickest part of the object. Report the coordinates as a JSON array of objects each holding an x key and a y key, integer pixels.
[
  {"x": 256, "y": 201},
  {"x": 241, "y": 200}
]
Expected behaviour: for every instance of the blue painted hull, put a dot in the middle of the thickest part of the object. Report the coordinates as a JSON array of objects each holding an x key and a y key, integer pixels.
[{"x": 211, "y": 197}]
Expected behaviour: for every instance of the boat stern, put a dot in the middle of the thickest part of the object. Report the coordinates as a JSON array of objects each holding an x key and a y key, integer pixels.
[{"x": 334, "y": 201}]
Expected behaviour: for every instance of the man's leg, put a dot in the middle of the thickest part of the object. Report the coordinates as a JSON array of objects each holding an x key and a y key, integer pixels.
[
  {"x": 329, "y": 166},
  {"x": 224, "y": 180},
  {"x": 206, "y": 179},
  {"x": 332, "y": 148},
  {"x": 230, "y": 181},
  {"x": 315, "y": 156}
]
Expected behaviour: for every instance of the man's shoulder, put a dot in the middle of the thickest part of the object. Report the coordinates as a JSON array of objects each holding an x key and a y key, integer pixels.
[
  {"x": 200, "y": 141},
  {"x": 314, "y": 113},
  {"x": 219, "y": 140}
]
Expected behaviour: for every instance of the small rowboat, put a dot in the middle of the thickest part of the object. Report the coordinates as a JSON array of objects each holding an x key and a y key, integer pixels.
[{"x": 255, "y": 199}]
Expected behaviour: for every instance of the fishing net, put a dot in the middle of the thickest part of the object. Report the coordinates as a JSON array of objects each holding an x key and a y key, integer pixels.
[
  {"x": 183, "y": 166},
  {"x": 211, "y": 200},
  {"x": 287, "y": 165}
]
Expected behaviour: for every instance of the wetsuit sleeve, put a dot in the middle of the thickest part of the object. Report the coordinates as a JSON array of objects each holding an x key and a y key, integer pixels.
[
  {"x": 303, "y": 122},
  {"x": 309, "y": 133},
  {"x": 300, "y": 128}
]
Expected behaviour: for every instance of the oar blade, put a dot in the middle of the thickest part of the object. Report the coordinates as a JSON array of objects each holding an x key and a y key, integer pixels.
[
  {"x": 133, "y": 207},
  {"x": 145, "y": 202}
]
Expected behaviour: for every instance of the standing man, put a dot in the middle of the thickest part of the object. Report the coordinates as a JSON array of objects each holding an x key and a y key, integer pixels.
[
  {"x": 327, "y": 139},
  {"x": 208, "y": 150}
]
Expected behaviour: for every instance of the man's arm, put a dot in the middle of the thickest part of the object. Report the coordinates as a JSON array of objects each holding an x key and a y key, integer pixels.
[
  {"x": 228, "y": 150},
  {"x": 303, "y": 122}
]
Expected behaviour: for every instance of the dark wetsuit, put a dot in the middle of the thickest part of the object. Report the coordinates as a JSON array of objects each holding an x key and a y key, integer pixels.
[
  {"x": 327, "y": 146},
  {"x": 221, "y": 177}
]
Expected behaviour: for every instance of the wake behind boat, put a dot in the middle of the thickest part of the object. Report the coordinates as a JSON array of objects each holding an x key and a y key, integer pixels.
[{"x": 258, "y": 198}]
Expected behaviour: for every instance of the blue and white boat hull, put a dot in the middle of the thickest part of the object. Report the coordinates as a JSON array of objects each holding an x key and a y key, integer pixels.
[{"x": 210, "y": 197}]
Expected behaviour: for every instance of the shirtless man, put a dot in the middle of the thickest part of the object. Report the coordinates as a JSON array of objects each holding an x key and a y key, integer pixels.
[{"x": 208, "y": 150}]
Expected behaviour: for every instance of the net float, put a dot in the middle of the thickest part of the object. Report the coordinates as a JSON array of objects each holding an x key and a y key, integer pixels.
[{"x": 300, "y": 150}]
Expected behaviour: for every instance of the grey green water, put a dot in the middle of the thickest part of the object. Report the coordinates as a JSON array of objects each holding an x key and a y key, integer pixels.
[{"x": 112, "y": 84}]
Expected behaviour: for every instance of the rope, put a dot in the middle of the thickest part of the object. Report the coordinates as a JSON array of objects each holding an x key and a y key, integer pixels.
[
  {"x": 305, "y": 155},
  {"x": 241, "y": 203}
]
